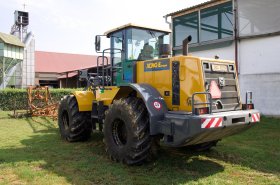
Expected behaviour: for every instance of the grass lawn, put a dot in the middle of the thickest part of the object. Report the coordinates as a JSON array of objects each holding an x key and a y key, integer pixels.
[{"x": 31, "y": 152}]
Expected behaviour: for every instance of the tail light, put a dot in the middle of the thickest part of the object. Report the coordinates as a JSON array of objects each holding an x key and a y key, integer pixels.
[
  {"x": 203, "y": 110},
  {"x": 248, "y": 106}
]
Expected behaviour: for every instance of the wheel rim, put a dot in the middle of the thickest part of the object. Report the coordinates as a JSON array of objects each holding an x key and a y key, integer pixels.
[
  {"x": 119, "y": 132},
  {"x": 65, "y": 120}
]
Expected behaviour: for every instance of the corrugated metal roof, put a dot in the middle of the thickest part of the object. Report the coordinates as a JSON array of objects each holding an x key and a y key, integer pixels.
[
  {"x": 51, "y": 62},
  {"x": 193, "y": 7},
  {"x": 10, "y": 39}
]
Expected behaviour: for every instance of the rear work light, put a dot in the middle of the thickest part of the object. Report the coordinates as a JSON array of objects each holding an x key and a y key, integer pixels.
[{"x": 203, "y": 110}]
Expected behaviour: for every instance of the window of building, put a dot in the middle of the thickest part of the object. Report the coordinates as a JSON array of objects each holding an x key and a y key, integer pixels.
[
  {"x": 226, "y": 20},
  {"x": 184, "y": 26},
  {"x": 214, "y": 23},
  {"x": 209, "y": 24}
]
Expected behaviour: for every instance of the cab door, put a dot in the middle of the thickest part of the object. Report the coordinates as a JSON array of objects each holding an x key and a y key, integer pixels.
[
  {"x": 129, "y": 68},
  {"x": 117, "y": 56}
]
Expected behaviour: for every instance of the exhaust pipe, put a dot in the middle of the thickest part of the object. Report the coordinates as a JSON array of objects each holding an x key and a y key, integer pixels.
[{"x": 186, "y": 42}]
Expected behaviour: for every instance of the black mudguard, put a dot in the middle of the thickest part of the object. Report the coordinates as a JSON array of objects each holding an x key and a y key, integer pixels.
[{"x": 155, "y": 105}]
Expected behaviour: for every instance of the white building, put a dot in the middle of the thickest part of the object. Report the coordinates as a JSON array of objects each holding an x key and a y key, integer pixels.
[
  {"x": 247, "y": 31},
  {"x": 11, "y": 56}
]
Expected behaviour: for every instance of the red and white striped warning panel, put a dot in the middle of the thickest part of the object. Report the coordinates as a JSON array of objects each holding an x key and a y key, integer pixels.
[
  {"x": 256, "y": 117},
  {"x": 211, "y": 122}
]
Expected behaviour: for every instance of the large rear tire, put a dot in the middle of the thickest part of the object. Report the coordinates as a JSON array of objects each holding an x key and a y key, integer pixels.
[
  {"x": 73, "y": 125},
  {"x": 126, "y": 131}
]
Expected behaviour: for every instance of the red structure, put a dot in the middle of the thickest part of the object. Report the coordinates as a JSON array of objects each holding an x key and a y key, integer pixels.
[{"x": 60, "y": 70}]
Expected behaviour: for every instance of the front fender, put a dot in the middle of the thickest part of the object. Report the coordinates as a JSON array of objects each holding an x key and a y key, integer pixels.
[
  {"x": 84, "y": 99},
  {"x": 155, "y": 105}
]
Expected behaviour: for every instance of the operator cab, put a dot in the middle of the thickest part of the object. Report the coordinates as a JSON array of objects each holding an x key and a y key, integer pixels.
[{"x": 131, "y": 43}]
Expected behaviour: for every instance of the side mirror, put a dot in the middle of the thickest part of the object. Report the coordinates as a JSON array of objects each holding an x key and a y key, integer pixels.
[
  {"x": 83, "y": 75},
  {"x": 97, "y": 42}
]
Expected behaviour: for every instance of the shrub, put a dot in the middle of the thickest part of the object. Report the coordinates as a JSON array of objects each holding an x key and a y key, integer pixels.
[{"x": 11, "y": 99}]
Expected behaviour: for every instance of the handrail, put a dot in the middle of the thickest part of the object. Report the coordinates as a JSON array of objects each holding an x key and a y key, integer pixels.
[
  {"x": 203, "y": 103},
  {"x": 107, "y": 63}
]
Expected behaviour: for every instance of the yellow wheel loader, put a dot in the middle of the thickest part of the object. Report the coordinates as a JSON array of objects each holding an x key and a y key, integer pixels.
[{"x": 141, "y": 96}]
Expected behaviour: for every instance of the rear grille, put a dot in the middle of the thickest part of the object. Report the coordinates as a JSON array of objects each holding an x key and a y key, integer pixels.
[{"x": 230, "y": 97}]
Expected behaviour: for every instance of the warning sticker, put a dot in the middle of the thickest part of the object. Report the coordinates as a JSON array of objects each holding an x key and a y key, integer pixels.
[{"x": 157, "y": 105}]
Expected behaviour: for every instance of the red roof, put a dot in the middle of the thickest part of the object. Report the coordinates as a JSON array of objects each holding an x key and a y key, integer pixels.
[{"x": 51, "y": 62}]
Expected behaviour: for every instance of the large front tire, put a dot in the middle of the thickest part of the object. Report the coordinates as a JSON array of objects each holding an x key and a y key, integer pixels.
[
  {"x": 73, "y": 125},
  {"x": 126, "y": 131}
]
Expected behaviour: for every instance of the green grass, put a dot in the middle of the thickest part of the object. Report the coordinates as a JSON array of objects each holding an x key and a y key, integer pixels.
[{"x": 31, "y": 152}]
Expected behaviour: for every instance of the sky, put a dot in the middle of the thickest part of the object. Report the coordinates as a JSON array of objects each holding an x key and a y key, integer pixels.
[{"x": 69, "y": 26}]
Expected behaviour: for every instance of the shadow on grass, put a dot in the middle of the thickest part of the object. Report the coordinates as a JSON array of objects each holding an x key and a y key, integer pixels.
[
  {"x": 42, "y": 122},
  {"x": 87, "y": 163},
  {"x": 257, "y": 148}
]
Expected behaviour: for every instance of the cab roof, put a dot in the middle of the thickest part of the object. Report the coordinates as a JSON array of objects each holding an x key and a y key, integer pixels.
[{"x": 131, "y": 25}]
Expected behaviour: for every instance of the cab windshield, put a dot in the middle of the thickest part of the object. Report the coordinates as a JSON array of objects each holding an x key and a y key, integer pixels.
[{"x": 144, "y": 44}]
